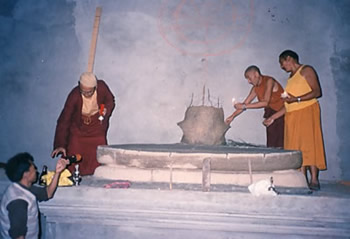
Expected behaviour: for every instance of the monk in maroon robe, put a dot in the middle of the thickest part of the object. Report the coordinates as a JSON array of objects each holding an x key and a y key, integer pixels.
[{"x": 84, "y": 121}]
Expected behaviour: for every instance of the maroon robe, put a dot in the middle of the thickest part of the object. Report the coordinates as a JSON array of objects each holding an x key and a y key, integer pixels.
[{"x": 79, "y": 136}]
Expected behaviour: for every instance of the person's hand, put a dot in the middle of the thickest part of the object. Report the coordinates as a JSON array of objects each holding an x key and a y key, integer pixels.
[
  {"x": 239, "y": 106},
  {"x": 61, "y": 164},
  {"x": 228, "y": 120},
  {"x": 267, "y": 122},
  {"x": 284, "y": 95},
  {"x": 58, "y": 151},
  {"x": 290, "y": 99},
  {"x": 104, "y": 111}
]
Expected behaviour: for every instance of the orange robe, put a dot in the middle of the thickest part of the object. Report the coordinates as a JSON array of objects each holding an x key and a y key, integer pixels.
[
  {"x": 275, "y": 132},
  {"x": 303, "y": 124}
]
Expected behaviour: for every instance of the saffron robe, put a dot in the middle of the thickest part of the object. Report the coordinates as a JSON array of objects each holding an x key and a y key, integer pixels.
[
  {"x": 303, "y": 124},
  {"x": 274, "y": 132}
]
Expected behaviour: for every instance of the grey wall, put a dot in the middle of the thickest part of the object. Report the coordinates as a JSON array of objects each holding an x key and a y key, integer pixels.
[{"x": 155, "y": 54}]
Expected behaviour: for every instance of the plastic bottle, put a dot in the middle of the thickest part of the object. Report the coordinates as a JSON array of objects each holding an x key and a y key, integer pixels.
[{"x": 42, "y": 181}]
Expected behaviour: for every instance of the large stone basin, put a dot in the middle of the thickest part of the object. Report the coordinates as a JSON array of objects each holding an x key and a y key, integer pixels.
[{"x": 183, "y": 163}]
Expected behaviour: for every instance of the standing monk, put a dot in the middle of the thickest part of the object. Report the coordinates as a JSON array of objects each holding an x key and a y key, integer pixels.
[
  {"x": 268, "y": 91},
  {"x": 302, "y": 115},
  {"x": 84, "y": 122}
]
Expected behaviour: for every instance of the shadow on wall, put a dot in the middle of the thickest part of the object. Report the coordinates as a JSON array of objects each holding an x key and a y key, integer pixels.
[
  {"x": 340, "y": 63},
  {"x": 7, "y": 7}
]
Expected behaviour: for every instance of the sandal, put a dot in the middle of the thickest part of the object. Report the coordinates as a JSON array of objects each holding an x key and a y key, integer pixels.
[{"x": 315, "y": 186}]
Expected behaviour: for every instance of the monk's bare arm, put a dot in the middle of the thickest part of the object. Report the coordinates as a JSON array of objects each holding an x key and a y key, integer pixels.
[
  {"x": 272, "y": 118},
  {"x": 251, "y": 96},
  {"x": 312, "y": 79},
  {"x": 240, "y": 106}
]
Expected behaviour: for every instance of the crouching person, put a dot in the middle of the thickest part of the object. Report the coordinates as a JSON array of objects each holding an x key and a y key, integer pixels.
[{"x": 19, "y": 207}]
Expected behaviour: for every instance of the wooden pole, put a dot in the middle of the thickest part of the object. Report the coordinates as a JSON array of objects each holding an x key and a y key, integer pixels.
[{"x": 94, "y": 40}]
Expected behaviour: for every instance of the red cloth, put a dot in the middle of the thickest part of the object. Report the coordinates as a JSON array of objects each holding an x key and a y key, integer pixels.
[{"x": 78, "y": 137}]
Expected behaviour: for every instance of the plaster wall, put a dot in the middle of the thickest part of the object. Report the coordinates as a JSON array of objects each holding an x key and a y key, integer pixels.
[{"x": 155, "y": 54}]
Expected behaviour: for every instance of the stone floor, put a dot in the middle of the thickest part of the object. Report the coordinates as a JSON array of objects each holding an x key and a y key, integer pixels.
[{"x": 152, "y": 210}]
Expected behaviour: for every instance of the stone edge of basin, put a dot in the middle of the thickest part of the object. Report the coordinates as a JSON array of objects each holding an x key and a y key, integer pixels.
[{"x": 147, "y": 157}]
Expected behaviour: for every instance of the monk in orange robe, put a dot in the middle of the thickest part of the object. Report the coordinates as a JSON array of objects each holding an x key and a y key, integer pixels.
[
  {"x": 84, "y": 121},
  {"x": 303, "y": 130},
  {"x": 268, "y": 91}
]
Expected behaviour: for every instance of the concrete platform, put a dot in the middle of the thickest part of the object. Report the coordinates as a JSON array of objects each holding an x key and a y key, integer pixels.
[
  {"x": 151, "y": 210},
  {"x": 183, "y": 163}
]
